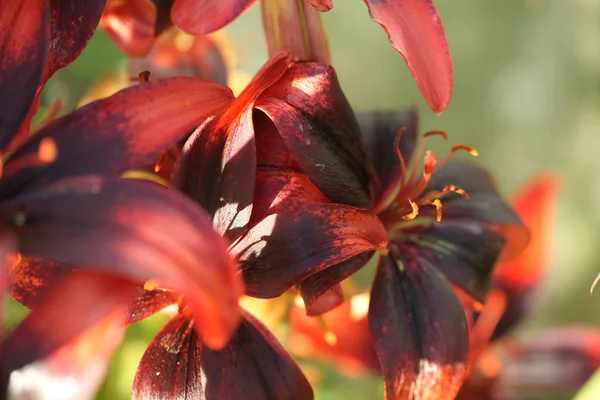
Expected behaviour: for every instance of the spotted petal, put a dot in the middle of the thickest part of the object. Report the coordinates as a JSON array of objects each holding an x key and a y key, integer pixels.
[
  {"x": 419, "y": 331},
  {"x": 273, "y": 260},
  {"x": 178, "y": 365},
  {"x": 105, "y": 137}
]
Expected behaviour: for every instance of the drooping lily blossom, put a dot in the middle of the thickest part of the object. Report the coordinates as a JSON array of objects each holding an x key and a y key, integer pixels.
[
  {"x": 63, "y": 204},
  {"x": 437, "y": 238},
  {"x": 344, "y": 337},
  {"x": 414, "y": 29}
]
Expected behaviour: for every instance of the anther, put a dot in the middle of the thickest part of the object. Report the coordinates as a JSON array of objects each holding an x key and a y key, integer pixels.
[
  {"x": 48, "y": 150},
  {"x": 441, "y": 133},
  {"x": 151, "y": 285},
  {"x": 438, "y": 209},
  {"x": 413, "y": 214},
  {"x": 144, "y": 76}
]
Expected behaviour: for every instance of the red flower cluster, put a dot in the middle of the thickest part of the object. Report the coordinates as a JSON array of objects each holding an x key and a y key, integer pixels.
[{"x": 282, "y": 188}]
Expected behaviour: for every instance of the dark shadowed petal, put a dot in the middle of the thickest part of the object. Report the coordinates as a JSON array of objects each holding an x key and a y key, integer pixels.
[
  {"x": 552, "y": 363},
  {"x": 138, "y": 230},
  {"x": 284, "y": 249},
  {"x": 217, "y": 167},
  {"x": 419, "y": 332},
  {"x": 465, "y": 251},
  {"x": 379, "y": 130},
  {"x": 318, "y": 126},
  {"x": 520, "y": 277},
  {"x": 200, "y": 17},
  {"x": 484, "y": 203},
  {"x": 24, "y": 36},
  {"x": 312, "y": 288},
  {"x": 67, "y": 37},
  {"x": 66, "y": 41},
  {"x": 414, "y": 29},
  {"x": 106, "y": 137},
  {"x": 68, "y": 341},
  {"x": 281, "y": 186},
  {"x": 177, "y": 365}
]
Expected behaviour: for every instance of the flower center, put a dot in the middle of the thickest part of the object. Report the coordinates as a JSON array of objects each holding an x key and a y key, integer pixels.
[{"x": 404, "y": 198}]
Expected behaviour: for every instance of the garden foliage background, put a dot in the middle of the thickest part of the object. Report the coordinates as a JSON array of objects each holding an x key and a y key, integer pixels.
[{"x": 527, "y": 97}]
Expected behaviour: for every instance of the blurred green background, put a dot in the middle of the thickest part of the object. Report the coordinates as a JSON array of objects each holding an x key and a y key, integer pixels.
[{"x": 527, "y": 96}]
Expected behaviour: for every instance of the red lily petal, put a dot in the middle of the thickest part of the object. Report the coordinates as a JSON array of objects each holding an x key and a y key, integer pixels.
[
  {"x": 177, "y": 365},
  {"x": 520, "y": 277},
  {"x": 131, "y": 25},
  {"x": 217, "y": 167},
  {"x": 74, "y": 353},
  {"x": 66, "y": 41},
  {"x": 315, "y": 286},
  {"x": 349, "y": 345},
  {"x": 34, "y": 278},
  {"x": 484, "y": 204},
  {"x": 138, "y": 230},
  {"x": 322, "y": 5},
  {"x": 464, "y": 251},
  {"x": 317, "y": 125},
  {"x": 24, "y": 36},
  {"x": 200, "y": 17},
  {"x": 330, "y": 299},
  {"x": 414, "y": 29},
  {"x": 380, "y": 130},
  {"x": 419, "y": 332},
  {"x": 272, "y": 260},
  {"x": 129, "y": 137}
]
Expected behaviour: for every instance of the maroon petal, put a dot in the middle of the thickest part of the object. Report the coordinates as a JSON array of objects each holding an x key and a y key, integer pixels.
[
  {"x": 24, "y": 36},
  {"x": 316, "y": 286},
  {"x": 90, "y": 308},
  {"x": 146, "y": 303},
  {"x": 67, "y": 37},
  {"x": 380, "y": 130},
  {"x": 317, "y": 125},
  {"x": 105, "y": 137},
  {"x": 414, "y": 29},
  {"x": 217, "y": 167},
  {"x": 419, "y": 331},
  {"x": 464, "y": 251},
  {"x": 484, "y": 203},
  {"x": 177, "y": 365},
  {"x": 138, "y": 230},
  {"x": 200, "y": 17},
  {"x": 284, "y": 249},
  {"x": 33, "y": 278}
]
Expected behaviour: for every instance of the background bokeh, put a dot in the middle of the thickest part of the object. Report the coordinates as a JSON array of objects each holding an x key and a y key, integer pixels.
[{"x": 527, "y": 96}]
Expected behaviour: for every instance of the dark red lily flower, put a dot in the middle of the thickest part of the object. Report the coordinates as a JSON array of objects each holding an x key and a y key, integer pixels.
[
  {"x": 417, "y": 323},
  {"x": 413, "y": 26},
  {"x": 63, "y": 204},
  {"x": 504, "y": 370}
]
